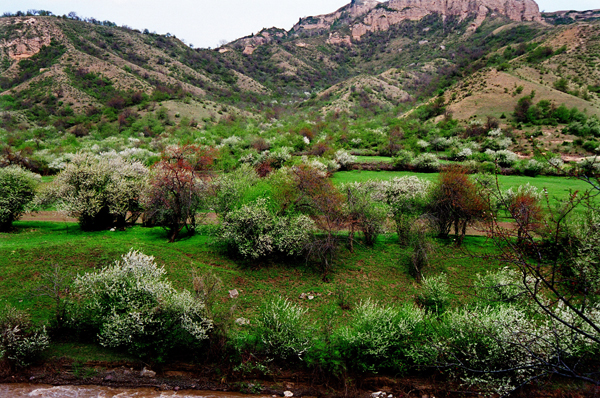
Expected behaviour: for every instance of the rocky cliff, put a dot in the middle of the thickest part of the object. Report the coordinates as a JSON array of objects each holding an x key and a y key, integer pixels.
[
  {"x": 371, "y": 15},
  {"x": 346, "y": 14},
  {"x": 395, "y": 11}
]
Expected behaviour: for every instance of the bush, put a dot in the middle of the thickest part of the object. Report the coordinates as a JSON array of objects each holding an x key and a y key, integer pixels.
[
  {"x": 228, "y": 190},
  {"x": 407, "y": 199},
  {"x": 254, "y": 232},
  {"x": 365, "y": 211},
  {"x": 20, "y": 340},
  {"x": 344, "y": 159},
  {"x": 489, "y": 342},
  {"x": 533, "y": 167},
  {"x": 435, "y": 295},
  {"x": 426, "y": 162},
  {"x": 131, "y": 305},
  {"x": 99, "y": 192},
  {"x": 503, "y": 286},
  {"x": 403, "y": 159},
  {"x": 17, "y": 190},
  {"x": 283, "y": 330},
  {"x": 381, "y": 337}
]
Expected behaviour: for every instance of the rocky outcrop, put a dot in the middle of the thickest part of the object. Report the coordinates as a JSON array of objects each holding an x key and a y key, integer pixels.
[
  {"x": 26, "y": 38},
  {"x": 345, "y": 14},
  {"x": 395, "y": 11},
  {"x": 250, "y": 43}
]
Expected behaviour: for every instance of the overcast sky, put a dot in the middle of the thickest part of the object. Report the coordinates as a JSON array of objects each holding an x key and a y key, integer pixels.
[{"x": 206, "y": 23}]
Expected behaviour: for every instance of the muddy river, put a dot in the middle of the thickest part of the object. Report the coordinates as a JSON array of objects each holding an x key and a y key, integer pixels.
[{"x": 47, "y": 391}]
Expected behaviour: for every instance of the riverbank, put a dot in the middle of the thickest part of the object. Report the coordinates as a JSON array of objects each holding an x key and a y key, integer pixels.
[
  {"x": 187, "y": 379},
  {"x": 62, "y": 378}
]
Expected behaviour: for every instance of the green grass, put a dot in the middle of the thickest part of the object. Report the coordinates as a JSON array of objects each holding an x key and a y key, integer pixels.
[
  {"x": 557, "y": 187},
  {"x": 373, "y": 159},
  {"x": 380, "y": 272}
]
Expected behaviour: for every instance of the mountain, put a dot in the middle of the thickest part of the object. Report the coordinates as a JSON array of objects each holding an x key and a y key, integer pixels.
[{"x": 366, "y": 55}]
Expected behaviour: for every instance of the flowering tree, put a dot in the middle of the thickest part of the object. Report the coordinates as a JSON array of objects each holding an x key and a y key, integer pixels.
[
  {"x": 131, "y": 305},
  {"x": 176, "y": 191},
  {"x": 407, "y": 200},
  {"x": 17, "y": 190},
  {"x": 365, "y": 210},
  {"x": 99, "y": 192}
]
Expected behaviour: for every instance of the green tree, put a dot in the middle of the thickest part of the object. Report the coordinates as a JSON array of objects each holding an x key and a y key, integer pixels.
[{"x": 17, "y": 190}]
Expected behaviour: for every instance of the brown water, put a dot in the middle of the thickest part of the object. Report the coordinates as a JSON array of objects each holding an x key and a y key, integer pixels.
[{"x": 47, "y": 391}]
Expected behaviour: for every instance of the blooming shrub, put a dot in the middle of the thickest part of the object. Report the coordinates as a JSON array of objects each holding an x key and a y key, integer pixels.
[
  {"x": 406, "y": 197},
  {"x": 131, "y": 305},
  {"x": 435, "y": 295},
  {"x": 254, "y": 231},
  {"x": 17, "y": 190},
  {"x": 427, "y": 162},
  {"x": 20, "y": 340},
  {"x": 344, "y": 159},
  {"x": 365, "y": 211},
  {"x": 99, "y": 192},
  {"x": 504, "y": 157},
  {"x": 502, "y": 286},
  {"x": 380, "y": 337},
  {"x": 283, "y": 330}
]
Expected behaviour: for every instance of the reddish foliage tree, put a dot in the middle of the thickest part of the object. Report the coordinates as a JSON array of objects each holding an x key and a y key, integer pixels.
[
  {"x": 527, "y": 212},
  {"x": 316, "y": 195},
  {"x": 175, "y": 191},
  {"x": 456, "y": 202}
]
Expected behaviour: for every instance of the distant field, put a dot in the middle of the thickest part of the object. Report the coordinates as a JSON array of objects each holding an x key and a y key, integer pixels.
[
  {"x": 373, "y": 159},
  {"x": 559, "y": 188}
]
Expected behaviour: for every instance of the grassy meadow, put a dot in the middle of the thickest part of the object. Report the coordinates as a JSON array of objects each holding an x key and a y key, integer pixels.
[{"x": 34, "y": 248}]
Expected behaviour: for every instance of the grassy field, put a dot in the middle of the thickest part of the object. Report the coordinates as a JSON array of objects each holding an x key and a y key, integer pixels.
[
  {"x": 380, "y": 273},
  {"x": 557, "y": 187},
  {"x": 373, "y": 159}
]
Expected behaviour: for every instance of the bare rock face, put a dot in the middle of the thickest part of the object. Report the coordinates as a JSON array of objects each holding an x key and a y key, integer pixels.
[
  {"x": 349, "y": 12},
  {"x": 395, "y": 11},
  {"x": 27, "y": 38}
]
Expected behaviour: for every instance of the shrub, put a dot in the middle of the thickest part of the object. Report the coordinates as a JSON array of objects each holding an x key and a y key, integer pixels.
[
  {"x": 17, "y": 190},
  {"x": 426, "y": 162},
  {"x": 381, "y": 337},
  {"x": 403, "y": 159},
  {"x": 407, "y": 198},
  {"x": 20, "y": 340},
  {"x": 344, "y": 159},
  {"x": 254, "y": 232},
  {"x": 586, "y": 265},
  {"x": 99, "y": 192},
  {"x": 131, "y": 305},
  {"x": 228, "y": 190},
  {"x": 533, "y": 167},
  {"x": 504, "y": 157},
  {"x": 489, "y": 342},
  {"x": 369, "y": 214},
  {"x": 502, "y": 286},
  {"x": 283, "y": 330},
  {"x": 435, "y": 295},
  {"x": 523, "y": 205}
]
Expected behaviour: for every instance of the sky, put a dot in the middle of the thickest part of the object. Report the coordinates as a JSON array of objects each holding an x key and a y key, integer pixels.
[{"x": 209, "y": 23}]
